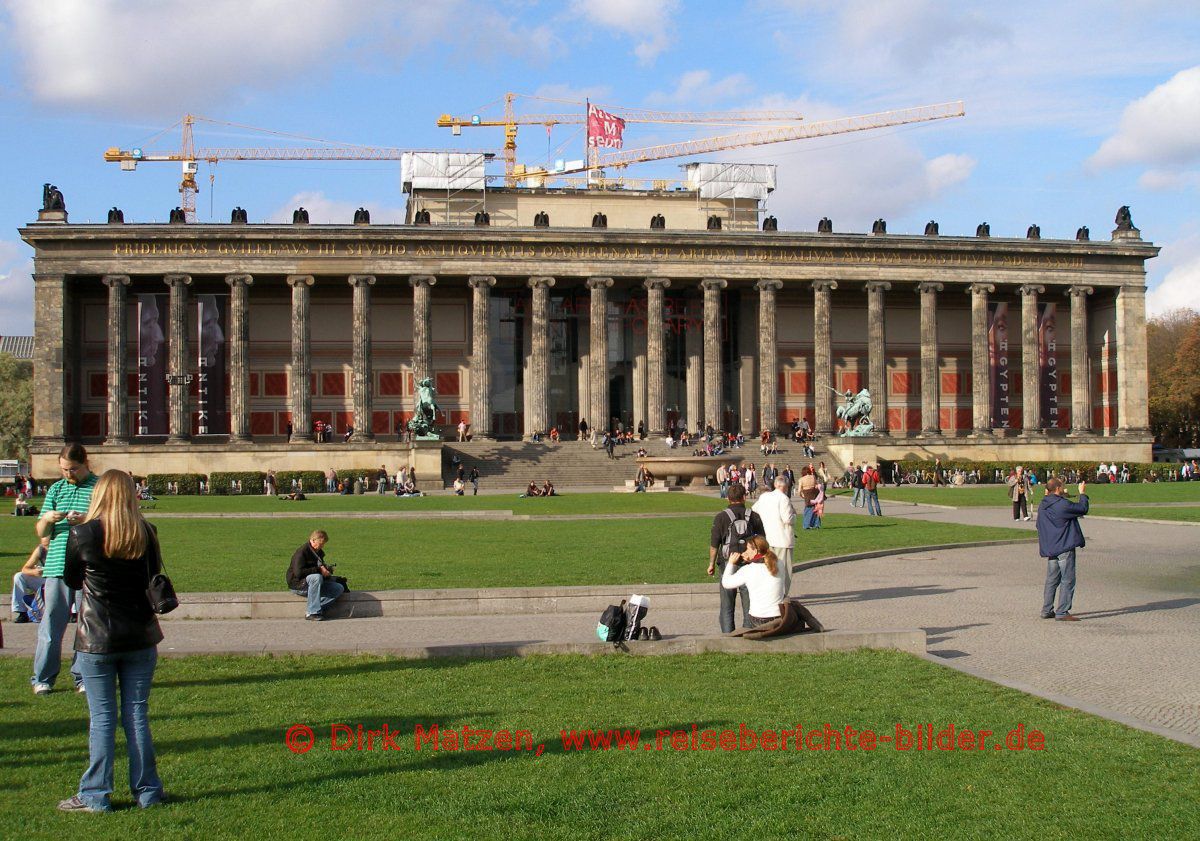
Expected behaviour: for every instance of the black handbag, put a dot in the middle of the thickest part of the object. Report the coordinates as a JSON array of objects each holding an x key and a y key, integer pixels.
[{"x": 161, "y": 592}]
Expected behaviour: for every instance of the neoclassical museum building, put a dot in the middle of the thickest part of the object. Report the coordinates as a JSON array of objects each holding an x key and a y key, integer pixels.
[{"x": 199, "y": 346}]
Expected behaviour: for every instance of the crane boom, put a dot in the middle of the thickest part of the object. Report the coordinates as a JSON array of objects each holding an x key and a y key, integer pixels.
[{"x": 824, "y": 128}]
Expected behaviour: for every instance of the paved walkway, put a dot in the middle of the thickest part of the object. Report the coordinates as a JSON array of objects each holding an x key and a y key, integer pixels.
[{"x": 1135, "y": 656}]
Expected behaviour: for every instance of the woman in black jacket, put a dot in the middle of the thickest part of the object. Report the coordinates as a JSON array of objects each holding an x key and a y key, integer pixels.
[{"x": 111, "y": 557}]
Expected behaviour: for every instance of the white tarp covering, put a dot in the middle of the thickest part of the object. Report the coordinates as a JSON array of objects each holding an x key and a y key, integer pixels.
[
  {"x": 731, "y": 181},
  {"x": 441, "y": 171}
]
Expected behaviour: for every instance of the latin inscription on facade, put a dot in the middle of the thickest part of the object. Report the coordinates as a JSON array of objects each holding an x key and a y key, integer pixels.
[{"x": 596, "y": 253}]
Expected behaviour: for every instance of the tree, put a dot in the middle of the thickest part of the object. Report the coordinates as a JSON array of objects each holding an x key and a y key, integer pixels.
[
  {"x": 16, "y": 406},
  {"x": 1173, "y": 348}
]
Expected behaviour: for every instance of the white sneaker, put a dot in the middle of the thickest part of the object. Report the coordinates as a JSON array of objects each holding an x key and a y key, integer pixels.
[
  {"x": 42, "y": 689},
  {"x": 81, "y": 689},
  {"x": 1027, "y": 519}
]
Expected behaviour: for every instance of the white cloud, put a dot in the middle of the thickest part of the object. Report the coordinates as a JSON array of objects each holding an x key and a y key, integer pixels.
[
  {"x": 697, "y": 88},
  {"x": 647, "y": 21},
  {"x": 323, "y": 210},
  {"x": 16, "y": 290},
  {"x": 155, "y": 57},
  {"x": 1160, "y": 130},
  {"x": 1181, "y": 285}
]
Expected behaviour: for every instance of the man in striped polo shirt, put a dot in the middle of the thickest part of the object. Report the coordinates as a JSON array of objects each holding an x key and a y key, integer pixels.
[{"x": 66, "y": 505}]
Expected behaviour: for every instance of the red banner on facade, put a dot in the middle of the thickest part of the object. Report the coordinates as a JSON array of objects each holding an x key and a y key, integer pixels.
[
  {"x": 1048, "y": 365},
  {"x": 604, "y": 129}
]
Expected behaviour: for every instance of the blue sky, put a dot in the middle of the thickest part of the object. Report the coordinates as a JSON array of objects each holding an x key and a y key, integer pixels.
[{"x": 1072, "y": 109}]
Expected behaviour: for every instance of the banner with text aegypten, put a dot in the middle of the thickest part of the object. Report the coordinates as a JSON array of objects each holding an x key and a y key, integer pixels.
[
  {"x": 1048, "y": 365},
  {"x": 605, "y": 130},
  {"x": 998, "y": 364}
]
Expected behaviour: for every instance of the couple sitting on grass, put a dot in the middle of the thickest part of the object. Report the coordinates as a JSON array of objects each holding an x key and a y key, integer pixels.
[{"x": 545, "y": 490}]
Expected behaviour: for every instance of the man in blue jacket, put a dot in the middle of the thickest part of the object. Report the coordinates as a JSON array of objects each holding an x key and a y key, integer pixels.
[{"x": 1059, "y": 536}]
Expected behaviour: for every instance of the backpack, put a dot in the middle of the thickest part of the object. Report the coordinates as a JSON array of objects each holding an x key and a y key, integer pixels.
[
  {"x": 635, "y": 611},
  {"x": 870, "y": 480},
  {"x": 857, "y": 481},
  {"x": 736, "y": 536},
  {"x": 611, "y": 627}
]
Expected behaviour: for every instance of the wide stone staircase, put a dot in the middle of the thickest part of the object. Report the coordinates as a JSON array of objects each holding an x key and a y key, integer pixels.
[{"x": 512, "y": 465}]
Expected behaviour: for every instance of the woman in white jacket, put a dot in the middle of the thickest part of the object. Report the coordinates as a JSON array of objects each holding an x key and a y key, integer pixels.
[{"x": 758, "y": 570}]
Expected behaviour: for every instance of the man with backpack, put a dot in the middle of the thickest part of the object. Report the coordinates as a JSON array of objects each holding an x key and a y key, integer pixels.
[
  {"x": 730, "y": 531},
  {"x": 871, "y": 481},
  {"x": 856, "y": 482}
]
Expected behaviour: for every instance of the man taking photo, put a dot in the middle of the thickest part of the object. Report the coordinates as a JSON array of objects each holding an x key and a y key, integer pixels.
[{"x": 1059, "y": 535}]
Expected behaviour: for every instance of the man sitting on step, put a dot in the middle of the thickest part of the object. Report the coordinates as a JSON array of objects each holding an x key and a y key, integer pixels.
[{"x": 309, "y": 576}]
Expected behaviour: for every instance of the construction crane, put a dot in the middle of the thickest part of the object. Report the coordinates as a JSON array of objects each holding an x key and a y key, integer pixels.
[
  {"x": 824, "y": 128},
  {"x": 189, "y": 155},
  {"x": 512, "y": 121}
]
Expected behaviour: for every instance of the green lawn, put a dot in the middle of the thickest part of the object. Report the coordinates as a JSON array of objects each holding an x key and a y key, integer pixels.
[
  {"x": 1185, "y": 514},
  {"x": 976, "y": 496},
  {"x": 219, "y": 726},
  {"x": 583, "y": 503},
  {"x": 207, "y": 554}
]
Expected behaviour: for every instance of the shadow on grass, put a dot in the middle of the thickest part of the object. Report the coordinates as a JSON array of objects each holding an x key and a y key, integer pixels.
[
  {"x": 1168, "y": 604},
  {"x": 881, "y": 593}
]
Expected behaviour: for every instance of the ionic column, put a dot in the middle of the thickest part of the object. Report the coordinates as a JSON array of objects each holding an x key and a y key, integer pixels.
[
  {"x": 300, "y": 381},
  {"x": 694, "y": 348},
  {"x": 656, "y": 411},
  {"x": 50, "y": 307},
  {"x": 1133, "y": 414},
  {"x": 481, "y": 355},
  {"x": 822, "y": 356},
  {"x": 598, "y": 350},
  {"x": 422, "y": 356},
  {"x": 1031, "y": 411},
  {"x": 539, "y": 357},
  {"x": 118, "y": 334},
  {"x": 239, "y": 356},
  {"x": 363, "y": 376},
  {"x": 981, "y": 386},
  {"x": 931, "y": 423},
  {"x": 180, "y": 429},
  {"x": 1081, "y": 402},
  {"x": 877, "y": 354},
  {"x": 713, "y": 381},
  {"x": 768, "y": 356}
]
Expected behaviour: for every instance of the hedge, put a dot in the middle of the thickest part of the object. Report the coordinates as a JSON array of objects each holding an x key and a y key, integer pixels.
[
  {"x": 187, "y": 484},
  {"x": 313, "y": 481},
  {"x": 1042, "y": 469},
  {"x": 250, "y": 482}
]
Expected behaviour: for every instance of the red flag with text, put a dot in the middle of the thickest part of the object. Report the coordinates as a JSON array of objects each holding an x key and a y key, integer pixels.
[{"x": 604, "y": 129}]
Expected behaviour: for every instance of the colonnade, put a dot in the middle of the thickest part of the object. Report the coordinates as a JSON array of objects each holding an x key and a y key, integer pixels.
[{"x": 704, "y": 378}]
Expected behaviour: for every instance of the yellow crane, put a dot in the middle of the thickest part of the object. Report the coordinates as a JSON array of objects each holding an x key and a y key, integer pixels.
[
  {"x": 189, "y": 155},
  {"x": 511, "y": 121}
]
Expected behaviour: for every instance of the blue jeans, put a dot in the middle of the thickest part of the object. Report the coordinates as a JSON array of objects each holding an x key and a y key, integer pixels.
[
  {"x": 728, "y": 599},
  {"x": 47, "y": 658},
  {"x": 857, "y": 501},
  {"x": 873, "y": 503},
  {"x": 810, "y": 518},
  {"x": 135, "y": 671},
  {"x": 321, "y": 592},
  {"x": 1060, "y": 575}
]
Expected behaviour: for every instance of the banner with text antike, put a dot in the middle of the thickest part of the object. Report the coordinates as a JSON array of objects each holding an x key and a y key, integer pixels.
[
  {"x": 1048, "y": 365},
  {"x": 211, "y": 401},
  {"x": 1001, "y": 386},
  {"x": 152, "y": 364}
]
